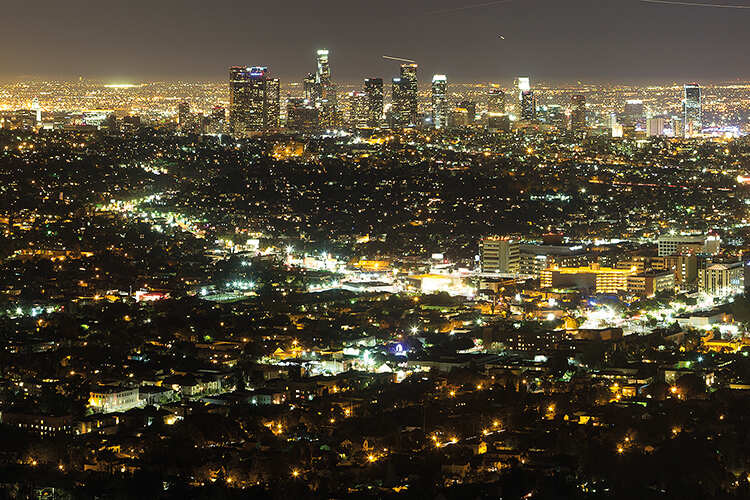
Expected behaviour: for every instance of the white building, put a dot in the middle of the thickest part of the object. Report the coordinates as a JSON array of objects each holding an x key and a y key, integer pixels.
[
  {"x": 655, "y": 126},
  {"x": 499, "y": 255},
  {"x": 113, "y": 399},
  {"x": 722, "y": 279},
  {"x": 680, "y": 244}
]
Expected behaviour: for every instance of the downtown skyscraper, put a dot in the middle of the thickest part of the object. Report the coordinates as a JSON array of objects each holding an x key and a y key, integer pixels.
[
  {"x": 404, "y": 108},
  {"x": 495, "y": 100},
  {"x": 528, "y": 106},
  {"x": 374, "y": 92},
  {"x": 439, "y": 101},
  {"x": 692, "y": 110},
  {"x": 253, "y": 100},
  {"x": 578, "y": 112},
  {"x": 522, "y": 84},
  {"x": 325, "y": 90}
]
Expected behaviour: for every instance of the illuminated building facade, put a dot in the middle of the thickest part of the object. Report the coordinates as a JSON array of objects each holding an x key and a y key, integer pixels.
[
  {"x": 114, "y": 399},
  {"x": 183, "y": 115},
  {"x": 409, "y": 94},
  {"x": 578, "y": 112},
  {"x": 309, "y": 86},
  {"x": 301, "y": 114},
  {"x": 649, "y": 284},
  {"x": 635, "y": 112},
  {"x": 471, "y": 109},
  {"x": 528, "y": 105},
  {"x": 374, "y": 92},
  {"x": 325, "y": 91},
  {"x": 522, "y": 84},
  {"x": 253, "y": 100},
  {"x": 499, "y": 255},
  {"x": 439, "y": 101},
  {"x": 495, "y": 100},
  {"x": 655, "y": 126},
  {"x": 683, "y": 244},
  {"x": 398, "y": 104},
  {"x": 323, "y": 75},
  {"x": 722, "y": 279},
  {"x": 591, "y": 279},
  {"x": 692, "y": 110},
  {"x": 273, "y": 109},
  {"x": 358, "y": 109}
]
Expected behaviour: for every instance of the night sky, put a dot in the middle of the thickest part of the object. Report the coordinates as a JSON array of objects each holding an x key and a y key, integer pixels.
[{"x": 550, "y": 40}]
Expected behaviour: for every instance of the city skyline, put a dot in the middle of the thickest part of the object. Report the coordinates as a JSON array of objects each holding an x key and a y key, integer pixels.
[{"x": 399, "y": 250}]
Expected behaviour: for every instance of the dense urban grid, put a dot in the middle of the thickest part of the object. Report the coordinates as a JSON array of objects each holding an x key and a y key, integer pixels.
[{"x": 411, "y": 288}]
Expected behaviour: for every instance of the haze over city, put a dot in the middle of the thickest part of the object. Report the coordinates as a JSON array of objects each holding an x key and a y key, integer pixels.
[{"x": 624, "y": 41}]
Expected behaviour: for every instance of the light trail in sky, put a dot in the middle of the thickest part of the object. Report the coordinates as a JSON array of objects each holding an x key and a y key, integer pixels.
[
  {"x": 468, "y": 7},
  {"x": 697, "y": 4}
]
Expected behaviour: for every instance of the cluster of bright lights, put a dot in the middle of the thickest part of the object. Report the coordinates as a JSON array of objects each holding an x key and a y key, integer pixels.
[
  {"x": 32, "y": 311},
  {"x": 239, "y": 285}
]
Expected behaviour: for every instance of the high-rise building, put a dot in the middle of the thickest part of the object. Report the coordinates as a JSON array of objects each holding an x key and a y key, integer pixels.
[
  {"x": 325, "y": 91},
  {"x": 495, "y": 100},
  {"x": 498, "y": 122},
  {"x": 37, "y": 109},
  {"x": 499, "y": 255},
  {"x": 691, "y": 244},
  {"x": 358, "y": 109},
  {"x": 522, "y": 84},
  {"x": 310, "y": 87},
  {"x": 301, "y": 115},
  {"x": 635, "y": 112},
  {"x": 323, "y": 75},
  {"x": 692, "y": 106},
  {"x": 458, "y": 117},
  {"x": 528, "y": 105},
  {"x": 398, "y": 104},
  {"x": 216, "y": 121},
  {"x": 183, "y": 116},
  {"x": 374, "y": 91},
  {"x": 578, "y": 112},
  {"x": 410, "y": 93},
  {"x": 655, "y": 126},
  {"x": 253, "y": 100},
  {"x": 471, "y": 110},
  {"x": 552, "y": 114},
  {"x": 273, "y": 105},
  {"x": 439, "y": 101}
]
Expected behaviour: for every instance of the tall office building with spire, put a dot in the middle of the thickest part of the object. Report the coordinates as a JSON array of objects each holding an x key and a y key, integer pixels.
[
  {"x": 439, "y": 101},
  {"x": 692, "y": 125},
  {"x": 325, "y": 90}
]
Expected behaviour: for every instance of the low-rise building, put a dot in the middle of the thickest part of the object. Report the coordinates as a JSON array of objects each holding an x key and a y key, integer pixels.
[
  {"x": 111, "y": 399},
  {"x": 722, "y": 279},
  {"x": 533, "y": 259},
  {"x": 649, "y": 284},
  {"x": 590, "y": 279},
  {"x": 681, "y": 244}
]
